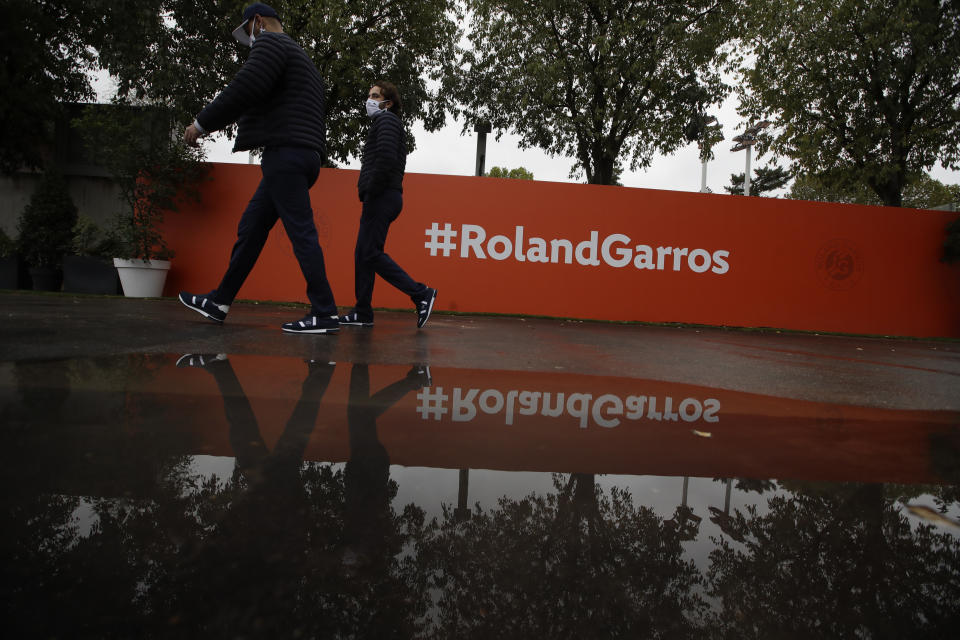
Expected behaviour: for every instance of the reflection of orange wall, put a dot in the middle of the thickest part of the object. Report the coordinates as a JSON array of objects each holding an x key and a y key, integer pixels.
[
  {"x": 753, "y": 436},
  {"x": 792, "y": 264}
]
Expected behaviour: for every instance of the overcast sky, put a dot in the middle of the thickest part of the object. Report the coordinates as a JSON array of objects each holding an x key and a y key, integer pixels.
[{"x": 448, "y": 152}]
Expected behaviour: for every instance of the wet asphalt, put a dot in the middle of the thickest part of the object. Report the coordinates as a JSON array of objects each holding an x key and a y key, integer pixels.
[{"x": 863, "y": 371}]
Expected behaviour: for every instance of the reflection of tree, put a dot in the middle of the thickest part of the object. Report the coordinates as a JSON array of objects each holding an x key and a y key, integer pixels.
[
  {"x": 247, "y": 571},
  {"x": 837, "y": 563},
  {"x": 260, "y": 555},
  {"x": 575, "y": 563},
  {"x": 285, "y": 548}
]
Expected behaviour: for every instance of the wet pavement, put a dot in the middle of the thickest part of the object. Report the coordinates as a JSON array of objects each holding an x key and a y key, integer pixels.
[{"x": 482, "y": 477}]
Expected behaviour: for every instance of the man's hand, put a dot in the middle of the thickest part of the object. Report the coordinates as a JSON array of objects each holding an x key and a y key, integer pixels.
[{"x": 191, "y": 135}]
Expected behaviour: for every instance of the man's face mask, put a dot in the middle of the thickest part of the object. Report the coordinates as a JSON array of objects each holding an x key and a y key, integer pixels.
[{"x": 241, "y": 35}]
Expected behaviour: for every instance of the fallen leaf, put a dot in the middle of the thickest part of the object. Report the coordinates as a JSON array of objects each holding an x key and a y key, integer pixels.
[{"x": 931, "y": 515}]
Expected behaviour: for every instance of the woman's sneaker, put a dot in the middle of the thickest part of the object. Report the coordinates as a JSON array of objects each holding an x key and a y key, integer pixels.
[
  {"x": 355, "y": 319},
  {"x": 205, "y": 306},
  {"x": 313, "y": 324}
]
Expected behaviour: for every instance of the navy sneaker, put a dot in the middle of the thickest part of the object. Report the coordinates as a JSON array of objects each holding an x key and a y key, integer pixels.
[
  {"x": 205, "y": 306},
  {"x": 424, "y": 303},
  {"x": 313, "y": 324},
  {"x": 355, "y": 319},
  {"x": 202, "y": 360}
]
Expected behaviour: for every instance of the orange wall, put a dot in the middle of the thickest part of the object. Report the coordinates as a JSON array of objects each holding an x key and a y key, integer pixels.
[{"x": 756, "y": 262}]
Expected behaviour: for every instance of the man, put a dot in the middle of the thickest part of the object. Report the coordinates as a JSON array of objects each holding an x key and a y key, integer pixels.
[{"x": 277, "y": 100}]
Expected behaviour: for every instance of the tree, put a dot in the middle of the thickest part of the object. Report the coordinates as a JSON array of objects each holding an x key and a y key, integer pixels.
[
  {"x": 411, "y": 43},
  {"x": 46, "y": 65},
  {"x": 864, "y": 91},
  {"x": 152, "y": 172},
  {"x": 766, "y": 179},
  {"x": 179, "y": 53},
  {"x": 608, "y": 82},
  {"x": 517, "y": 174},
  {"x": 921, "y": 193}
]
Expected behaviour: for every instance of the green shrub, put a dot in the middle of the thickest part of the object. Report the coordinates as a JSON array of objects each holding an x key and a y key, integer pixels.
[
  {"x": 89, "y": 239},
  {"x": 45, "y": 227}
]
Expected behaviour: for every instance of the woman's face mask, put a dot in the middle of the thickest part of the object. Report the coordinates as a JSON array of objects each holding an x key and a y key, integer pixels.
[{"x": 373, "y": 107}]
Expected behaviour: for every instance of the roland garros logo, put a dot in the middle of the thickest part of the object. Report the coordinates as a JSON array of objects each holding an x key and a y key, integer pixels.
[{"x": 839, "y": 266}]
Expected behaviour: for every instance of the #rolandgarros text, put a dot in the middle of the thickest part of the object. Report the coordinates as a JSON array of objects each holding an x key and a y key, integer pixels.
[{"x": 471, "y": 241}]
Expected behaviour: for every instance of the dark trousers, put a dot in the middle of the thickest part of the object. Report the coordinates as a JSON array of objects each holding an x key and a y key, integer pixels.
[
  {"x": 369, "y": 258},
  {"x": 288, "y": 174}
]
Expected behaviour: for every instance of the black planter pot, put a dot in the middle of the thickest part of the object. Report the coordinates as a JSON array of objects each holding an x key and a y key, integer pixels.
[
  {"x": 86, "y": 274},
  {"x": 46, "y": 278},
  {"x": 13, "y": 273}
]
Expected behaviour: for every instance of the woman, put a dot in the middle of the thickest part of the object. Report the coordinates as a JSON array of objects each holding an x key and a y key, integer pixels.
[{"x": 380, "y": 188}]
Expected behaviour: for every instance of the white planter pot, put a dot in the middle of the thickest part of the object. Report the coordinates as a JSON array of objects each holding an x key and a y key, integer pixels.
[{"x": 142, "y": 278}]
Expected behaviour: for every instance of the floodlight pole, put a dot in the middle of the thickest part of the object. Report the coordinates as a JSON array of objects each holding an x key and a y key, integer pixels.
[
  {"x": 709, "y": 123},
  {"x": 482, "y": 129},
  {"x": 745, "y": 141},
  {"x": 746, "y": 172}
]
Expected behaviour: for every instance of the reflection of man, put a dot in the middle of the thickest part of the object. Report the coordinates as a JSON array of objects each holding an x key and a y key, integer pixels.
[
  {"x": 368, "y": 470},
  {"x": 250, "y": 568},
  {"x": 278, "y": 98}
]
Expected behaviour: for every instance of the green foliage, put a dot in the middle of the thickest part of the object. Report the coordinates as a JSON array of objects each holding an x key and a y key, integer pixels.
[
  {"x": 412, "y": 43},
  {"x": 607, "y": 82},
  {"x": 921, "y": 192},
  {"x": 45, "y": 65},
  {"x": 179, "y": 53},
  {"x": 927, "y": 193},
  {"x": 90, "y": 240},
  {"x": 153, "y": 172},
  {"x": 519, "y": 173},
  {"x": 765, "y": 180},
  {"x": 45, "y": 228},
  {"x": 8, "y": 247},
  {"x": 865, "y": 92}
]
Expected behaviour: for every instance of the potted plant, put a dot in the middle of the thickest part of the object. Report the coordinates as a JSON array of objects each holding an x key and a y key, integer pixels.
[
  {"x": 12, "y": 274},
  {"x": 90, "y": 269},
  {"x": 153, "y": 169},
  {"x": 45, "y": 231}
]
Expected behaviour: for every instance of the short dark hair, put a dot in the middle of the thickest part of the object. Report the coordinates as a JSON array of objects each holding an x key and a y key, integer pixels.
[{"x": 390, "y": 92}]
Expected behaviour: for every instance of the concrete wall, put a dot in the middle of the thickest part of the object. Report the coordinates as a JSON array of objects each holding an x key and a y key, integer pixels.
[{"x": 95, "y": 196}]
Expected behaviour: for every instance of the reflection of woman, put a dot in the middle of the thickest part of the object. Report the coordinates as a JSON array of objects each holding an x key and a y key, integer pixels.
[
  {"x": 367, "y": 474},
  {"x": 380, "y": 188}
]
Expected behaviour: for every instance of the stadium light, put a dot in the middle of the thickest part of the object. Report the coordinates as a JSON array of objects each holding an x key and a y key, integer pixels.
[{"x": 746, "y": 140}]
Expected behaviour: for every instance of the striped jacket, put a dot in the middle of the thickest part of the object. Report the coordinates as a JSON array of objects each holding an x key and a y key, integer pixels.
[
  {"x": 277, "y": 99},
  {"x": 384, "y": 156}
]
